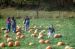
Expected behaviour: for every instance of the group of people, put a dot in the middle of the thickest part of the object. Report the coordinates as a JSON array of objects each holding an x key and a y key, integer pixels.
[{"x": 11, "y": 23}]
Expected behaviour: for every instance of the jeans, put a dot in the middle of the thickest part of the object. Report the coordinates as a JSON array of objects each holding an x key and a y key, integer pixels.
[
  {"x": 14, "y": 28},
  {"x": 26, "y": 27},
  {"x": 8, "y": 27}
]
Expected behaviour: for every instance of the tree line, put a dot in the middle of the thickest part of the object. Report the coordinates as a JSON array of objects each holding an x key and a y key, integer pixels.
[
  {"x": 31, "y": 4},
  {"x": 19, "y": 3}
]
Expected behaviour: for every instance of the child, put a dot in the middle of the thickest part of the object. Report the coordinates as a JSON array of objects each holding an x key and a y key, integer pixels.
[
  {"x": 13, "y": 25},
  {"x": 51, "y": 31},
  {"x": 8, "y": 24},
  {"x": 26, "y": 23}
]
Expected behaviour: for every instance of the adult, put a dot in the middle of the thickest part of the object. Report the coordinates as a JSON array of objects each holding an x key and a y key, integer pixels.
[
  {"x": 13, "y": 24},
  {"x": 26, "y": 23}
]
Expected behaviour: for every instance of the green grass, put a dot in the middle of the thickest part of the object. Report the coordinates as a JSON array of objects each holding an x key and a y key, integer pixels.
[{"x": 67, "y": 29}]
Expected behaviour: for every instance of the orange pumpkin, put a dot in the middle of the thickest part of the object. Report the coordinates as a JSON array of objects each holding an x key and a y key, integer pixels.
[
  {"x": 35, "y": 32},
  {"x": 68, "y": 47},
  {"x": 30, "y": 30},
  {"x": 2, "y": 44},
  {"x": 17, "y": 43},
  {"x": 46, "y": 41},
  {"x": 6, "y": 31},
  {"x": 71, "y": 48},
  {"x": 40, "y": 33},
  {"x": 30, "y": 43},
  {"x": 40, "y": 36},
  {"x": 57, "y": 35},
  {"x": 22, "y": 36},
  {"x": 9, "y": 39},
  {"x": 60, "y": 43},
  {"x": 10, "y": 44},
  {"x": 41, "y": 41},
  {"x": 33, "y": 35},
  {"x": 3, "y": 28},
  {"x": 34, "y": 26},
  {"x": 18, "y": 33},
  {"x": 6, "y": 36},
  {"x": 18, "y": 37},
  {"x": 48, "y": 47},
  {"x": 18, "y": 29}
]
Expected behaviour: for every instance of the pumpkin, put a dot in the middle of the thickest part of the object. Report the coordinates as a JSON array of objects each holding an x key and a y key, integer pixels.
[
  {"x": 2, "y": 44},
  {"x": 30, "y": 43},
  {"x": 40, "y": 26},
  {"x": 68, "y": 47},
  {"x": 9, "y": 39},
  {"x": 71, "y": 48},
  {"x": 46, "y": 41},
  {"x": 33, "y": 35},
  {"x": 40, "y": 36},
  {"x": 22, "y": 36},
  {"x": 57, "y": 35},
  {"x": 35, "y": 32},
  {"x": 18, "y": 33},
  {"x": 34, "y": 26},
  {"x": 30, "y": 30},
  {"x": 41, "y": 41},
  {"x": 18, "y": 37},
  {"x": 43, "y": 30},
  {"x": 40, "y": 33},
  {"x": 10, "y": 44},
  {"x": 60, "y": 43},
  {"x": 17, "y": 43},
  {"x": 6, "y": 35},
  {"x": 6, "y": 31},
  {"x": 18, "y": 29},
  {"x": 3, "y": 28},
  {"x": 48, "y": 47}
]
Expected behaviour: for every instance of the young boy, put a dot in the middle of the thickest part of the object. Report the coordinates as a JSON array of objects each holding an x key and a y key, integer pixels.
[
  {"x": 13, "y": 25},
  {"x": 51, "y": 31},
  {"x": 26, "y": 23},
  {"x": 8, "y": 24}
]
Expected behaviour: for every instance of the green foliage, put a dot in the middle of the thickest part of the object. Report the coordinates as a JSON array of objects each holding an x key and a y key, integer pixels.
[{"x": 44, "y": 4}]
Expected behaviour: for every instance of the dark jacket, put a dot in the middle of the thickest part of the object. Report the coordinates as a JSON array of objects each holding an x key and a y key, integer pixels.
[
  {"x": 27, "y": 21},
  {"x": 51, "y": 29}
]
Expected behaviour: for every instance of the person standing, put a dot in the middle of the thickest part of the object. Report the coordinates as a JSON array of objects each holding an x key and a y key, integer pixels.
[
  {"x": 8, "y": 24},
  {"x": 26, "y": 23},
  {"x": 51, "y": 31},
  {"x": 13, "y": 24}
]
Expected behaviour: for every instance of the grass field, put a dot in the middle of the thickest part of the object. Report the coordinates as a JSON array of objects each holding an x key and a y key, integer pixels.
[
  {"x": 66, "y": 27},
  {"x": 32, "y": 13}
]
